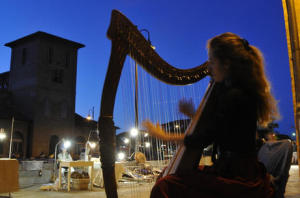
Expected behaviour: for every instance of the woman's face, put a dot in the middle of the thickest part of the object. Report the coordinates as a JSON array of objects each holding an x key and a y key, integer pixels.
[{"x": 217, "y": 71}]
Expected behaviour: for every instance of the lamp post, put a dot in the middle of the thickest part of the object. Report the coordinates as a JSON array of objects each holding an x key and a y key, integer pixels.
[
  {"x": 145, "y": 30},
  {"x": 137, "y": 139},
  {"x": 11, "y": 136},
  {"x": 90, "y": 143},
  {"x": 66, "y": 144},
  {"x": 90, "y": 114}
]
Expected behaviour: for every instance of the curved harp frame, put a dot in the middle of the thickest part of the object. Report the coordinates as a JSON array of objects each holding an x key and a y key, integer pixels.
[{"x": 127, "y": 40}]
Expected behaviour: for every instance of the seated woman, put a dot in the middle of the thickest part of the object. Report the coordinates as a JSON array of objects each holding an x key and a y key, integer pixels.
[
  {"x": 240, "y": 100},
  {"x": 64, "y": 155}
]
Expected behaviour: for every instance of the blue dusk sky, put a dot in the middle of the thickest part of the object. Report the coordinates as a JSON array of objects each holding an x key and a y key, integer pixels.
[{"x": 179, "y": 30}]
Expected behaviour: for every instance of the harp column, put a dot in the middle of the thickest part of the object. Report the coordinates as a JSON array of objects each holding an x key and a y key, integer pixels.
[{"x": 107, "y": 129}]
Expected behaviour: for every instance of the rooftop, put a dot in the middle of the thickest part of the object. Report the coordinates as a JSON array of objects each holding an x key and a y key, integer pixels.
[{"x": 43, "y": 35}]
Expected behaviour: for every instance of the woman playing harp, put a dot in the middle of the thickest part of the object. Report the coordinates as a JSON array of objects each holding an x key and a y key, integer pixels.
[{"x": 241, "y": 100}]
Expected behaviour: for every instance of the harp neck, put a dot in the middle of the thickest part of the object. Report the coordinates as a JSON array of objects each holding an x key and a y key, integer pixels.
[{"x": 128, "y": 37}]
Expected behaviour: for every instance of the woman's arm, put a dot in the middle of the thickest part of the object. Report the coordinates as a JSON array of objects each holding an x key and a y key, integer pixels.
[{"x": 158, "y": 132}]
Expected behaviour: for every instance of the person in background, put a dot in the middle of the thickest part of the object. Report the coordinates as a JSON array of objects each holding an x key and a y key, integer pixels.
[
  {"x": 276, "y": 155},
  {"x": 64, "y": 155},
  {"x": 295, "y": 154}
]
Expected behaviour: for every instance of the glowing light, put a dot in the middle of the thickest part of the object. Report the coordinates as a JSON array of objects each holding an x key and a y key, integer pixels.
[
  {"x": 89, "y": 117},
  {"x": 146, "y": 135},
  {"x": 2, "y": 135},
  {"x": 293, "y": 134},
  {"x": 121, "y": 156},
  {"x": 147, "y": 144},
  {"x": 177, "y": 126},
  {"x": 126, "y": 140},
  {"x": 134, "y": 132},
  {"x": 92, "y": 144},
  {"x": 67, "y": 144}
]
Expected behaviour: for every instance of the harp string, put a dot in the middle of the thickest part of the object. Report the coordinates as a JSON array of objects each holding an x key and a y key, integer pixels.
[{"x": 157, "y": 102}]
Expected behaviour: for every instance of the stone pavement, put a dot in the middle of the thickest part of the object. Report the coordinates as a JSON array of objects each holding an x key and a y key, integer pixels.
[
  {"x": 135, "y": 190},
  {"x": 293, "y": 185}
]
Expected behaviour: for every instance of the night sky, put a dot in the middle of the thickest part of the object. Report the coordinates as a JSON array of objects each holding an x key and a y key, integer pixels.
[{"x": 179, "y": 30}]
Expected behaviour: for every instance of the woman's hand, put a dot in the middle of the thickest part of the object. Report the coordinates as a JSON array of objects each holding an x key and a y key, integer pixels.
[
  {"x": 158, "y": 132},
  {"x": 187, "y": 107},
  {"x": 155, "y": 130}
]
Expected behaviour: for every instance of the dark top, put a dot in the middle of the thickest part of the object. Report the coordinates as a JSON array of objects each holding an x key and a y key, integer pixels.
[{"x": 228, "y": 120}]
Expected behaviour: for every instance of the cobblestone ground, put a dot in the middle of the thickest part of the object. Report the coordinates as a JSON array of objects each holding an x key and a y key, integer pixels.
[
  {"x": 293, "y": 185},
  {"x": 134, "y": 190}
]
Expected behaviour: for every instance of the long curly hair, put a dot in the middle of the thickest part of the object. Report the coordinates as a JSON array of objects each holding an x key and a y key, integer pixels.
[{"x": 246, "y": 68}]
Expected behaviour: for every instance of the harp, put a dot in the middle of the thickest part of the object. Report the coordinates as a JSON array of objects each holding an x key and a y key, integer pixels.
[{"x": 126, "y": 40}]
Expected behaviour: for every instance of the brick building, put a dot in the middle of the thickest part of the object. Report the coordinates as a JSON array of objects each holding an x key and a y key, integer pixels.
[{"x": 39, "y": 92}]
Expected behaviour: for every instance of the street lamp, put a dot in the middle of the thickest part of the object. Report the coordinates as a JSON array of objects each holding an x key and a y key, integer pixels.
[
  {"x": 121, "y": 156},
  {"x": 147, "y": 144},
  {"x": 149, "y": 41},
  {"x": 126, "y": 140},
  {"x": 2, "y": 134},
  {"x": 91, "y": 144},
  {"x": 134, "y": 132},
  {"x": 90, "y": 114}
]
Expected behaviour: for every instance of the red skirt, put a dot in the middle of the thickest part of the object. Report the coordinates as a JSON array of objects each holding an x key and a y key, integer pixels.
[{"x": 243, "y": 179}]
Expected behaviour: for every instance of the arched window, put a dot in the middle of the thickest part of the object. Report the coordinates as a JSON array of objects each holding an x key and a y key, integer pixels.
[
  {"x": 1, "y": 148},
  {"x": 53, "y": 141},
  {"x": 17, "y": 146},
  {"x": 79, "y": 145}
]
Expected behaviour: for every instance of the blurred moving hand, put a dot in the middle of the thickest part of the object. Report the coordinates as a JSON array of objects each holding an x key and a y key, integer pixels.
[
  {"x": 155, "y": 130},
  {"x": 158, "y": 132},
  {"x": 187, "y": 107}
]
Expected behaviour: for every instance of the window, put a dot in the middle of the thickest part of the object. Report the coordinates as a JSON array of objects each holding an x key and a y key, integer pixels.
[
  {"x": 17, "y": 144},
  {"x": 57, "y": 75},
  {"x": 53, "y": 141},
  {"x": 1, "y": 148},
  {"x": 24, "y": 56},
  {"x": 50, "y": 55},
  {"x": 79, "y": 147}
]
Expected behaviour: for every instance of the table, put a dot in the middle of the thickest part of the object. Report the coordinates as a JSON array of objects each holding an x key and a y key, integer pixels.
[
  {"x": 69, "y": 164},
  {"x": 98, "y": 177},
  {"x": 9, "y": 175}
]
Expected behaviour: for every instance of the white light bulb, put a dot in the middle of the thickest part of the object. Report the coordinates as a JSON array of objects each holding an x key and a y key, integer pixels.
[
  {"x": 67, "y": 144},
  {"x": 126, "y": 140},
  {"x": 147, "y": 144},
  {"x": 121, "y": 156},
  {"x": 2, "y": 136},
  {"x": 134, "y": 132},
  {"x": 92, "y": 144}
]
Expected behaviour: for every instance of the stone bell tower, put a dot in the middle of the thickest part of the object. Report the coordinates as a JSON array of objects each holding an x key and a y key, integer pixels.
[{"x": 43, "y": 84}]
